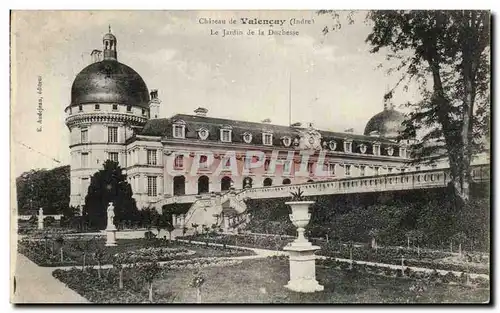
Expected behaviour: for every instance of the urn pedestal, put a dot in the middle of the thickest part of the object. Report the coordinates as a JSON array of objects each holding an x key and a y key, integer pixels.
[
  {"x": 302, "y": 258},
  {"x": 110, "y": 236}
]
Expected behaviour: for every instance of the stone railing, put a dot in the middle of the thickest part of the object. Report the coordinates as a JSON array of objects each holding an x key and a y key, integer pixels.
[{"x": 390, "y": 182}]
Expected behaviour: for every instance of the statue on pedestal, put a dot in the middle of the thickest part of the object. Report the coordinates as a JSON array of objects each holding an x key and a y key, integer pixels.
[{"x": 110, "y": 227}]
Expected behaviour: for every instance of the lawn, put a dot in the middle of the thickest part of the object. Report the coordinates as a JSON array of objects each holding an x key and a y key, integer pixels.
[
  {"x": 262, "y": 281},
  {"x": 47, "y": 252}
]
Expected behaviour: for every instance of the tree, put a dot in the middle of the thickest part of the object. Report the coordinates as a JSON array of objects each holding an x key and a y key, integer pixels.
[
  {"x": 49, "y": 189},
  {"x": 99, "y": 255},
  {"x": 119, "y": 260},
  {"x": 448, "y": 50},
  {"x": 109, "y": 185},
  {"x": 149, "y": 271}
]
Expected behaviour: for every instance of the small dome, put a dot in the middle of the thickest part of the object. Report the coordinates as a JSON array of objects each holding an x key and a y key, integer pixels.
[
  {"x": 387, "y": 123},
  {"x": 109, "y": 81},
  {"x": 109, "y": 36}
]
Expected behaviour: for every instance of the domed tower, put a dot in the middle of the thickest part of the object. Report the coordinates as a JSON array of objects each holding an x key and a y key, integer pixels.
[
  {"x": 108, "y": 100},
  {"x": 387, "y": 123}
]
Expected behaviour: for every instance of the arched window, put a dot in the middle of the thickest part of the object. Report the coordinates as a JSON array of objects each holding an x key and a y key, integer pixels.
[
  {"x": 179, "y": 185},
  {"x": 203, "y": 184},
  {"x": 268, "y": 182},
  {"x": 286, "y": 181},
  {"x": 247, "y": 182},
  {"x": 225, "y": 183}
]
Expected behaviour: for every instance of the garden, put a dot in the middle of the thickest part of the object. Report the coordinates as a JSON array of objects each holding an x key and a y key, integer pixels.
[
  {"x": 262, "y": 281},
  {"x": 83, "y": 251}
]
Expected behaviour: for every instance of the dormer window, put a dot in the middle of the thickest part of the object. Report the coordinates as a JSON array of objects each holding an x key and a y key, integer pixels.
[
  {"x": 376, "y": 149},
  {"x": 267, "y": 139},
  {"x": 348, "y": 146},
  {"x": 203, "y": 133},
  {"x": 390, "y": 151},
  {"x": 332, "y": 145},
  {"x": 247, "y": 137},
  {"x": 179, "y": 129},
  {"x": 129, "y": 108},
  {"x": 225, "y": 134},
  {"x": 287, "y": 141},
  {"x": 362, "y": 170},
  {"x": 362, "y": 148},
  {"x": 143, "y": 112},
  {"x": 97, "y": 107},
  {"x": 402, "y": 152},
  {"x": 80, "y": 108},
  {"x": 115, "y": 107}
]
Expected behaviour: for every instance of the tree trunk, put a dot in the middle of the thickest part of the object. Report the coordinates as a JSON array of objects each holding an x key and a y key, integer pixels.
[
  {"x": 151, "y": 292},
  {"x": 120, "y": 279},
  {"x": 460, "y": 249},
  {"x": 62, "y": 259},
  {"x": 350, "y": 256},
  {"x": 99, "y": 269},
  {"x": 451, "y": 246},
  {"x": 402, "y": 266},
  {"x": 83, "y": 265},
  {"x": 198, "y": 295},
  {"x": 374, "y": 243},
  {"x": 418, "y": 250},
  {"x": 326, "y": 238},
  {"x": 408, "y": 241},
  {"x": 169, "y": 236}
]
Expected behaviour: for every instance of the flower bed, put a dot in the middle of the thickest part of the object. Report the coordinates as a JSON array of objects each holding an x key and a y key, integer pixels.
[
  {"x": 161, "y": 254},
  {"x": 434, "y": 276},
  {"x": 46, "y": 252},
  {"x": 106, "y": 289}
]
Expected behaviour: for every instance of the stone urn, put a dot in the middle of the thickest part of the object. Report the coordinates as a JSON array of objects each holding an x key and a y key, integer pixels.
[
  {"x": 302, "y": 258},
  {"x": 300, "y": 218}
]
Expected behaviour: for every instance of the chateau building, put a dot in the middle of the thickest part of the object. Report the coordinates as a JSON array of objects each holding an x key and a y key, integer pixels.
[{"x": 113, "y": 115}]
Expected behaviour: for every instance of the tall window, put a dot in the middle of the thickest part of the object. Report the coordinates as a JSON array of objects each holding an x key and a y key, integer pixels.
[
  {"x": 226, "y": 163},
  {"x": 151, "y": 155},
  {"x": 85, "y": 185},
  {"x": 112, "y": 134},
  {"x": 203, "y": 162},
  {"x": 113, "y": 156},
  {"x": 376, "y": 170},
  {"x": 84, "y": 135},
  {"x": 80, "y": 108},
  {"x": 179, "y": 162},
  {"x": 310, "y": 167},
  {"x": 85, "y": 159},
  {"x": 225, "y": 135},
  {"x": 267, "y": 162},
  {"x": 286, "y": 167},
  {"x": 267, "y": 139},
  {"x": 178, "y": 131},
  {"x": 152, "y": 186},
  {"x": 389, "y": 170},
  {"x": 361, "y": 170},
  {"x": 376, "y": 149},
  {"x": 347, "y": 170}
]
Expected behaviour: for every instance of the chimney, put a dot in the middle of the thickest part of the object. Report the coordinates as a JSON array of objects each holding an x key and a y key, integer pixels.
[
  {"x": 266, "y": 121},
  {"x": 154, "y": 94},
  {"x": 201, "y": 111},
  {"x": 95, "y": 56}
]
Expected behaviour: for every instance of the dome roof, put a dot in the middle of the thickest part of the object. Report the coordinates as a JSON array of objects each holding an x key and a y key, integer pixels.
[
  {"x": 109, "y": 36},
  {"x": 109, "y": 81},
  {"x": 387, "y": 123}
]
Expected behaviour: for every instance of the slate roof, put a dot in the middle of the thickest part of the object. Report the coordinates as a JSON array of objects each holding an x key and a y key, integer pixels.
[{"x": 163, "y": 128}]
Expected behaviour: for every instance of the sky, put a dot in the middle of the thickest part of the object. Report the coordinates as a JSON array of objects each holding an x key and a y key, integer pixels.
[{"x": 335, "y": 81}]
